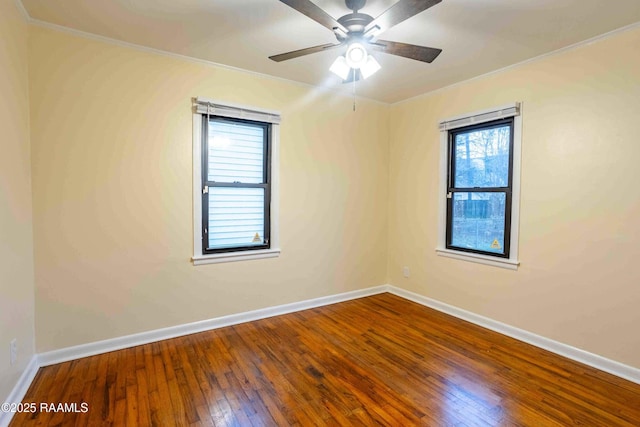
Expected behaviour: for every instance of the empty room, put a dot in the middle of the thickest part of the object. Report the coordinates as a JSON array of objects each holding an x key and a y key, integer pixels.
[{"x": 319, "y": 212}]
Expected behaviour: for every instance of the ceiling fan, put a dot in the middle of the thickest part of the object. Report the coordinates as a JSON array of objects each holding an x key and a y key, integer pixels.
[{"x": 359, "y": 32}]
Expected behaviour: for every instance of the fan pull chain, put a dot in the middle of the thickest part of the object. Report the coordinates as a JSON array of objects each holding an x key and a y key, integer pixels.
[{"x": 354, "y": 90}]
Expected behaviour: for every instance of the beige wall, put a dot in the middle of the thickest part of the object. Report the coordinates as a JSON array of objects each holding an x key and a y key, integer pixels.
[
  {"x": 580, "y": 204},
  {"x": 112, "y": 176},
  {"x": 16, "y": 237},
  {"x": 111, "y": 170}
]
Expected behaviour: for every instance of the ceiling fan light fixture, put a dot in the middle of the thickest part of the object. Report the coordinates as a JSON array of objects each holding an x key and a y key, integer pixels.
[
  {"x": 370, "y": 67},
  {"x": 357, "y": 31},
  {"x": 356, "y": 55},
  {"x": 340, "y": 67}
]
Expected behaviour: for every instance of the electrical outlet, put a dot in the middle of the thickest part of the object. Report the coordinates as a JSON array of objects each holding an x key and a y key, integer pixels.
[
  {"x": 406, "y": 272},
  {"x": 13, "y": 349}
]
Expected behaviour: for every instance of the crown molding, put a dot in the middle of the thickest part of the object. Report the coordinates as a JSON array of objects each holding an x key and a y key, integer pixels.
[
  {"x": 544, "y": 56},
  {"x": 22, "y": 10},
  {"x": 191, "y": 59}
]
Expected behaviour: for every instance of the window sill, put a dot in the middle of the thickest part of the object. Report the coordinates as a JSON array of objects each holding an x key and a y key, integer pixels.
[
  {"x": 235, "y": 256},
  {"x": 480, "y": 259}
]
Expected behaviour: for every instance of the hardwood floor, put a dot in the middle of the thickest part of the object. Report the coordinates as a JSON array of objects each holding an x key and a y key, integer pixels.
[{"x": 380, "y": 360}]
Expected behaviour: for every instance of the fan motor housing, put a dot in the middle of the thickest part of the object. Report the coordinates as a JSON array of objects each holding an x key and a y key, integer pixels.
[{"x": 355, "y": 22}]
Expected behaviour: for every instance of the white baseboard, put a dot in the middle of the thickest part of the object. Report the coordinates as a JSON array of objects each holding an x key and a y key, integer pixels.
[
  {"x": 71, "y": 353},
  {"x": 18, "y": 392},
  {"x": 98, "y": 347},
  {"x": 607, "y": 365}
]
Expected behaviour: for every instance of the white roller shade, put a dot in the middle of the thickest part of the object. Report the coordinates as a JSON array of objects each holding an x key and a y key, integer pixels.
[
  {"x": 215, "y": 108},
  {"x": 503, "y": 112},
  {"x": 236, "y": 217},
  {"x": 236, "y": 152}
]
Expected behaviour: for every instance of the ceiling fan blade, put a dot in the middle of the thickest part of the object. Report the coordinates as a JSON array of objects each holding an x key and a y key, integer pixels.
[
  {"x": 411, "y": 51},
  {"x": 403, "y": 9},
  {"x": 314, "y": 12},
  {"x": 302, "y": 52}
]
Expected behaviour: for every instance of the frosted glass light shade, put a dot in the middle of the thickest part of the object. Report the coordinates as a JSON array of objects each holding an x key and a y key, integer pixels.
[
  {"x": 370, "y": 67},
  {"x": 356, "y": 55},
  {"x": 356, "y": 58},
  {"x": 340, "y": 67}
]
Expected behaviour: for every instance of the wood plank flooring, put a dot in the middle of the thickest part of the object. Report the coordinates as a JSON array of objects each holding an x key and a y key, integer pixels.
[{"x": 380, "y": 360}]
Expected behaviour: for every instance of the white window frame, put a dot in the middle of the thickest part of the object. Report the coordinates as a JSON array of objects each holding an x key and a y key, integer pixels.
[
  {"x": 510, "y": 110},
  {"x": 218, "y": 108}
]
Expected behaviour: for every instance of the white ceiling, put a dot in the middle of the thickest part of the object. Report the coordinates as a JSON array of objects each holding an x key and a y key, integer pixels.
[{"x": 477, "y": 36}]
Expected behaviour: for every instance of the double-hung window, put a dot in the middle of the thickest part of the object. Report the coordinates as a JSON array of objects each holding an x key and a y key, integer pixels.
[
  {"x": 235, "y": 183},
  {"x": 480, "y": 186}
]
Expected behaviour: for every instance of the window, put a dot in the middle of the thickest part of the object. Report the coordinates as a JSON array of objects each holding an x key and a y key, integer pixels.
[
  {"x": 235, "y": 183},
  {"x": 479, "y": 189},
  {"x": 480, "y": 167}
]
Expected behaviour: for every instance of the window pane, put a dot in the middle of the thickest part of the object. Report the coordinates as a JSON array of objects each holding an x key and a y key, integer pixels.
[
  {"x": 478, "y": 221},
  {"x": 236, "y": 152},
  {"x": 236, "y": 217},
  {"x": 482, "y": 158}
]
